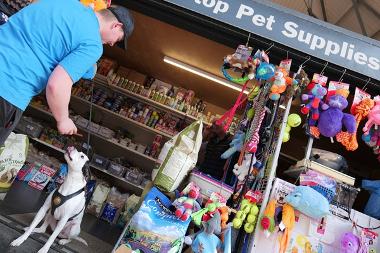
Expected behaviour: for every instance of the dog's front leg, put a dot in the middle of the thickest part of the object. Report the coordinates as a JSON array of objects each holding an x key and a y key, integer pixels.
[
  {"x": 37, "y": 219},
  {"x": 60, "y": 225}
]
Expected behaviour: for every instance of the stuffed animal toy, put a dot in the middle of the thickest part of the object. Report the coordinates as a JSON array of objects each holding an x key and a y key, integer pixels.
[
  {"x": 294, "y": 120},
  {"x": 241, "y": 171},
  {"x": 315, "y": 101},
  {"x": 349, "y": 243},
  {"x": 187, "y": 203},
  {"x": 333, "y": 119},
  {"x": 280, "y": 82},
  {"x": 302, "y": 81},
  {"x": 235, "y": 145},
  {"x": 206, "y": 241},
  {"x": 373, "y": 205},
  {"x": 308, "y": 201},
  {"x": 288, "y": 221},
  {"x": 212, "y": 205},
  {"x": 373, "y": 116},
  {"x": 97, "y": 5},
  {"x": 267, "y": 222}
]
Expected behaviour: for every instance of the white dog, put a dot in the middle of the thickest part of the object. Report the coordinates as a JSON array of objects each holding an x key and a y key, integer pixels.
[{"x": 64, "y": 207}]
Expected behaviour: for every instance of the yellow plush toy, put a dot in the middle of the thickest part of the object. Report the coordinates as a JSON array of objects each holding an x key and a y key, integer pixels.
[{"x": 97, "y": 5}]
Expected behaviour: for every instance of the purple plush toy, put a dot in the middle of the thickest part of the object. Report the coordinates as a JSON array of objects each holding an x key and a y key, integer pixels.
[
  {"x": 350, "y": 243},
  {"x": 333, "y": 119}
]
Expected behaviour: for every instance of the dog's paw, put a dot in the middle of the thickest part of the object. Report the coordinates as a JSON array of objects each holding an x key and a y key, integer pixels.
[
  {"x": 64, "y": 241},
  {"x": 18, "y": 241},
  {"x": 43, "y": 250}
]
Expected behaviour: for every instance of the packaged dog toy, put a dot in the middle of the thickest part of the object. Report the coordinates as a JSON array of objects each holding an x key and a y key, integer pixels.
[{"x": 155, "y": 228}]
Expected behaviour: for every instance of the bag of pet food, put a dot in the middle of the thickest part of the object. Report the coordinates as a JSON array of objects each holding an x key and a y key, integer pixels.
[
  {"x": 154, "y": 228},
  {"x": 12, "y": 158},
  {"x": 98, "y": 198},
  {"x": 178, "y": 157}
]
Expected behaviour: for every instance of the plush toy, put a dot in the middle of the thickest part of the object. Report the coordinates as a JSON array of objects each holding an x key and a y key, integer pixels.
[
  {"x": 315, "y": 101},
  {"x": 373, "y": 116},
  {"x": 280, "y": 82},
  {"x": 349, "y": 243},
  {"x": 97, "y": 5},
  {"x": 206, "y": 241},
  {"x": 333, "y": 119},
  {"x": 187, "y": 203},
  {"x": 308, "y": 201},
  {"x": 212, "y": 205},
  {"x": 235, "y": 145},
  {"x": 294, "y": 120},
  {"x": 288, "y": 221},
  {"x": 241, "y": 171},
  {"x": 373, "y": 205},
  {"x": 267, "y": 222},
  {"x": 302, "y": 81}
]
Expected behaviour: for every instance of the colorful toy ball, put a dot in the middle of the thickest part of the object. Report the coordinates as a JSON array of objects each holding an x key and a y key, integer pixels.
[{"x": 265, "y": 71}]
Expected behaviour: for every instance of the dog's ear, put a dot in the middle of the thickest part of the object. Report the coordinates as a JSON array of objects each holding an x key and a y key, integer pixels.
[{"x": 86, "y": 171}]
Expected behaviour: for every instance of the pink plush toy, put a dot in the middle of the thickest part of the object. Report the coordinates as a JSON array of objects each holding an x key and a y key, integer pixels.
[
  {"x": 373, "y": 116},
  {"x": 187, "y": 203},
  {"x": 349, "y": 243}
]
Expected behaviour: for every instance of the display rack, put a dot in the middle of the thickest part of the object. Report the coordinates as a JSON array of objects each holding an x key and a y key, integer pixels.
[
  {"x": 127, "y": 183},
  {"x": 123, "y": 117},
  {"x": 98, "y": 136},
  {"x": 102, "y": 80}
]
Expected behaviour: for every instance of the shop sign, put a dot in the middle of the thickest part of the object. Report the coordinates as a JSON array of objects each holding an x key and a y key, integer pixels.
[{"x": 306, "y": 34}]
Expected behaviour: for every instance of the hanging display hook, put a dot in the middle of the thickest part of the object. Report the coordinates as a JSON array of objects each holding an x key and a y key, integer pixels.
[
  {"x": 249, "y": 37},
  {"x": 266, "y": 51},
  {"x": 341, "y": 78},
  {"x": 365, "y": 86},
  {"x": 307, "y": 59},
  {"x": 323, "y": 70},
  {"x": 287, "y": 54}
]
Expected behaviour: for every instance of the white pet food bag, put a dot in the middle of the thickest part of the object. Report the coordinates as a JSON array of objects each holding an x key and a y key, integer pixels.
[
  {"x": 178, "y": 156},
  {"x": 12, "y": 158}
]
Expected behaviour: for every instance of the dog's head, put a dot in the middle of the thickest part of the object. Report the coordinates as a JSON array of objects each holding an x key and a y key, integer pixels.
[{"x": 75, "y": 159}]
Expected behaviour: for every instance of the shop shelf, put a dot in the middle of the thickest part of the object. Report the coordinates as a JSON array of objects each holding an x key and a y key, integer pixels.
[
  {"x": 129, "y": 184},
  {"x": 124, "y": 118},
  {"x": 149, "y": 158},
  {"x": 47, "y": 144},
  {"x": 102, "y": 80}
]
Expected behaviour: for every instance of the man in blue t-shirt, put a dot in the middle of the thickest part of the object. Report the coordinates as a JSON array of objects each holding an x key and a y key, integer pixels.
[{"x": 50, "y": 45}]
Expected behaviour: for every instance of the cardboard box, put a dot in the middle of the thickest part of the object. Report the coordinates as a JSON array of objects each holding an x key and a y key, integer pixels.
[
  {"x": 137, "y": 77},
  {"x": 123, "y": 72}
]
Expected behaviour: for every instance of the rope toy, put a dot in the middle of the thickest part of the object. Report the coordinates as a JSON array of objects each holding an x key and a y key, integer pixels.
[{"x": 360, "y": 112}]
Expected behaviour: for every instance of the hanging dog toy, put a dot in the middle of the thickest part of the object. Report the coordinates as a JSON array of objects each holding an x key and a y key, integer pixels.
[
  {"x": 294, "y": 120},
  {"x": 241, "y": 61},
  {"x": 373, "y": 116}
]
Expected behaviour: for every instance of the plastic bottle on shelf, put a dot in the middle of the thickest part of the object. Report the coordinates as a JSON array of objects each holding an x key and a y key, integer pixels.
[
  {"x": 151, "y": 118},
  {"x": 125, "y": 83},
  {"x": 155, "y": 120},
  {"x": 112, "y": 78},
  {"x": 163, "y": 99},
  {"x": 146, "y": 110},
  {"x": 135, "y": 87},
  {"x": 116, "y": 80},
  {"x": 132, "y": 86},
  {"x": 147, "y": 118},
  {"x": 121, "y": 81},
  {"x": 129, "y": 85}
]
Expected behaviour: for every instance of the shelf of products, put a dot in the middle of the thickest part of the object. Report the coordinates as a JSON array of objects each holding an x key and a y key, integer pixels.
[
  {"x": 129, "y": 184},
  {"x": 102, "y": 80},
  {"x": 123, "y": 117},
  {"x": 94, "y": 134},
  {"x": 119, "y": 178}
]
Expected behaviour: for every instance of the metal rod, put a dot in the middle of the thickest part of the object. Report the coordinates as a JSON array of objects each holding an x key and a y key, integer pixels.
[
  {"x": 309, "y": 147},
  {"x": 323, "y": 10}
]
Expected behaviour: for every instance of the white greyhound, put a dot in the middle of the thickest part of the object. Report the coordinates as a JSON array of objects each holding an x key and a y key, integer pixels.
[{"x": 64, "y": 208}]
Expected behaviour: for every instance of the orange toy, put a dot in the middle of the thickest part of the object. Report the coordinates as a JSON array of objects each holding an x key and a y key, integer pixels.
[
  {"x": 360, "y": 112},
  {"x": 288, "y": 220},
  {"x": 280, "y": 82}
]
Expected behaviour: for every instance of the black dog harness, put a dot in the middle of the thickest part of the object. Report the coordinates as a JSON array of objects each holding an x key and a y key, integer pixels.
[{"x": 58, "y": 200}]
